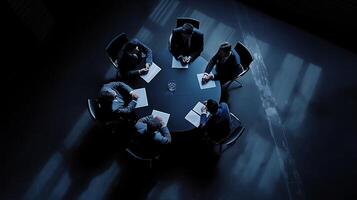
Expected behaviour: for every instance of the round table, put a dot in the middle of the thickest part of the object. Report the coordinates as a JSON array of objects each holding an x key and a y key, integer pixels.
[{"x": 179, "y": 102}]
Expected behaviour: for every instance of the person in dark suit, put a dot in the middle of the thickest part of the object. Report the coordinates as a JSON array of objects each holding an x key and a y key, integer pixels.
[
  {"x": 227, "y": 62},
  {"x": 117, "y": 100},
  {"x": 186, "y": 43},
  {"x": 134, "y": 59},
  {"x": 152, "y": 131},
  {"x": 216, "y": 126}
]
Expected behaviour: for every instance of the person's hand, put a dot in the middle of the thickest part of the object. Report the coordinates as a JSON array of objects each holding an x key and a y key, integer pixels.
[
  {"x": 184, "y": 59},
  {"x": 147, "y": 65},
  {"x": 134, "y": 96},
  {"x": 143, "y": 71},
  {"x": 180, "y": 58},
  {"x": 204, "y": 80},
  {"x": 206, "y": 77},
  {"x": 160, "y": 120},
  {"x": 204, "y": 109},
  {"x": 188, "y": 59}
]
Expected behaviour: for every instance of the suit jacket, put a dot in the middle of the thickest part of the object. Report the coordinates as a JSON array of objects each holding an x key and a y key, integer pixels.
[
  {"x": 120, "y": 104},
  {"x": 178, "y": 47},
  {"x": 129, "y": 65},
  {"x": 217, "y": 126},
  {"x": 226, "y": 69},
  {"x": 162, "y": 136}
]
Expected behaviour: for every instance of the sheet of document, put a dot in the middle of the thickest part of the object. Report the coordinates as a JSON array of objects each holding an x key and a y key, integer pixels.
[
  {"x": 143, "y": 99},
  {"x": 209, "y": 84},
  {"x": 193, "y": 118},
  {"x": 198, "y": 107},
  {"x": 153, "y": 71},
  {"x": 177, "y": 64},
  {"x": 164, "y": 116}
]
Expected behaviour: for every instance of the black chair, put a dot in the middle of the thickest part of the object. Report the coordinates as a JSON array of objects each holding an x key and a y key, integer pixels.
[
  {"x": 115, "y": 46},
  {"x": 245, "y": 60},
  {"x": 142, "y": 155},
  {"x": 113, "y": 126},
  {"x": 93, "y": 108},
  {"x": 236, "y": 131},
  {"x": 182, "y": 20}
]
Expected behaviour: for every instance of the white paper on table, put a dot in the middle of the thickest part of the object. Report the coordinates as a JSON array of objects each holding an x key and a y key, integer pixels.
[
  {"x": 177, "y": 64},
  {"x": 153, "y": 71},
  {"x": 164, "y": 116},
  {"x": 198, "y": 107},
  {"x": 193, "y": 118},
  {"x": 209, "y": 84},
  {"x": 143, "y": 99}
]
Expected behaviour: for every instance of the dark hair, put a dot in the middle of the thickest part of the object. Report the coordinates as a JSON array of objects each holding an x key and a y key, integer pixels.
[
  {"x": 129, "y": 47},
  {"x": 187, "y": 28},
  {"x": 106, "y": 95},
  {"x": 225, "y": 46},
  {"x": 153, "y": 125},
  {"x": 212, "y": 106},
  {"x": 105, "y": 101}
]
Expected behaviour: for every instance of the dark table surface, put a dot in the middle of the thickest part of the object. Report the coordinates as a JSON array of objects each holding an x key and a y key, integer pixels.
[{"x": 183, "y": 99}]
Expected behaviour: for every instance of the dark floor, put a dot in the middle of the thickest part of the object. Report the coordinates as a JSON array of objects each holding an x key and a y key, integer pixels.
[{"x": 298, "y": 104}]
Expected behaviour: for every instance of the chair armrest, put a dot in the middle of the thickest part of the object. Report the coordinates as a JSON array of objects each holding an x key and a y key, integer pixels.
[{"x": 113, "y": 63}]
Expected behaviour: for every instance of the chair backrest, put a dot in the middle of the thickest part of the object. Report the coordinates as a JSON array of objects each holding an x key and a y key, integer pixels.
[
  {"x": 139, "y": 156},
  {"x": 235, "y": 125},
  {"x": 182, "y": 20},
  {"x": 115, "y": 46},
  {"x": 236, "y": 130},
  {"x": 93, "y": 107},
  {"x": 245, "y": 56}
]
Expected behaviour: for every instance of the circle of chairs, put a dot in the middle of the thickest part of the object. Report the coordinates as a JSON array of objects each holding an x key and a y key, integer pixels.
[{"x": 237, "y": 129}]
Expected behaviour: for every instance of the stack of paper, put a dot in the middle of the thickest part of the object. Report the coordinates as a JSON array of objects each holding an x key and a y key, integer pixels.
[
  {"x": 194, "y": 116},
  {"x": 153, "y": 71},
  {"x": 142, "y": 100},
  {"x": 198, "y": 108},
  {"x": 164, "y": 116},
  {"x": 177, "y": 64},
  {"x": 209, "y": 84}
]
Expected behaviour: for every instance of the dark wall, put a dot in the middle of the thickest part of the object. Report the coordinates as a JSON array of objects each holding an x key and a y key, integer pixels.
[{"x": 332, "y": 20}]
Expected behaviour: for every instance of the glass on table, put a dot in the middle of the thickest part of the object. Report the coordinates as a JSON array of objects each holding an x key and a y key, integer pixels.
[{"x": 171, "y": 85}]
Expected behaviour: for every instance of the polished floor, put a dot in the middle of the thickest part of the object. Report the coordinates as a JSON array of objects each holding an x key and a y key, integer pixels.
[{"x": 298, "y": 104}]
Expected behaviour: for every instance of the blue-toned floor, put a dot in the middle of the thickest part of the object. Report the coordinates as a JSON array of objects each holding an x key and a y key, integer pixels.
[{"x": 298, "y": 104}]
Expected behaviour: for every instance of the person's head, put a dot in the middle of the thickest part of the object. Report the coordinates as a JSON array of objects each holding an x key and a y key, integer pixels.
[
  {"x": 187, "y": 30},
  {"x": 154, "y": 124},
  {"x": 105, "y": 99},
  {"x": 131, "y": 48},
  {"x": 224, "y": 49},
  {"x": 212, "y": 106},
  {"x": 107, "y": 95}
]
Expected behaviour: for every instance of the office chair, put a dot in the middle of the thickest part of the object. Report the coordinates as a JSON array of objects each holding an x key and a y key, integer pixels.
[
  {"x": 93, "y": 108},
  {"x": 114, "y": 46},
  {"x": 113, "y": 126},
  {"x": 182, "y": 20},
  {"x": 142, "y": 155},
  {"x": 246, "y": 59},
  {"x": 235, "y": 132}
]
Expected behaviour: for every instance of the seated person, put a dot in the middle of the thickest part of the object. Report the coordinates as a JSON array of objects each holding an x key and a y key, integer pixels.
[
  {"x": 152, "y": 131},
  {"x": 186, "y": 43},
  {"x": 117, "y": 100},
  {"x": 217, "y": 125},
  {"x": 227, "y": 64},
  {"x": 134, "y": 59}
]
